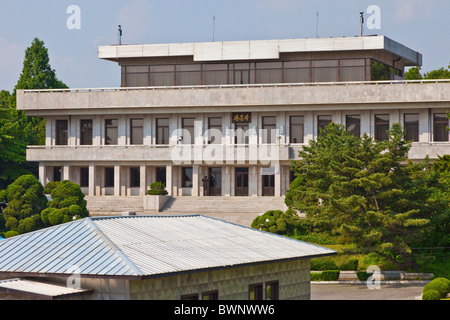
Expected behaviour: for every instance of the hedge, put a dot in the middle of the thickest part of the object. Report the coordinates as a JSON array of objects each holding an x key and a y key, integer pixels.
[
  {"x": 326, "y": 275},
  {"x": 438, "y": 285},
  {"x": 431, "y": 295}
]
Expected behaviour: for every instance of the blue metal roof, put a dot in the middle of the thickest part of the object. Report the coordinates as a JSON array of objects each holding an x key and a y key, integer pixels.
[{"x": 145, "y": 246}]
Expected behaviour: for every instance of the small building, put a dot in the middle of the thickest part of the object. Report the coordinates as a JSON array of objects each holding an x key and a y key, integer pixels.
[{"x": 156, "y": 258}]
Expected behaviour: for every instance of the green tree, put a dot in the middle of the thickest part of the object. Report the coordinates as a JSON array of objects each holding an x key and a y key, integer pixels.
[
  {"x": 17, "y": 130},
  {"x": 67, "y": 203},
  {"x": 441, "y": 73},
  {"x": 413, "y": 74},
  {"x": 361, "y": 190},
  {"x": 26, "y": 199}
]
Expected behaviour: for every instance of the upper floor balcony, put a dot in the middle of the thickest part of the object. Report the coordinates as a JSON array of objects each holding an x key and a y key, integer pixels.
[{"x": 220, "y": 98}]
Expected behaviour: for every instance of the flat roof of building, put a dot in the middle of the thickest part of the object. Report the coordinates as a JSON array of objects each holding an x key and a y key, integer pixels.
[
  {"x": 146, "y": 247},
  {"x": 259, "y": 49}
]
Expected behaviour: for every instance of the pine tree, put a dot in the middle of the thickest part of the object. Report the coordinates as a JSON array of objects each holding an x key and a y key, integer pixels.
[{"x": 365, "y": 191}]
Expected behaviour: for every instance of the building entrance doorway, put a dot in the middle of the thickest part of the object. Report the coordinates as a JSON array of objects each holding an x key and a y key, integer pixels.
[
  {"x": 214, "y": 182},
  {"x": 241, "y": 188},
  {"x": 268, "y": 184}
]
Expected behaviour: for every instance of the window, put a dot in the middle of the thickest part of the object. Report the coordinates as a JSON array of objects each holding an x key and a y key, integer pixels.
[
  {"x": 57, "y": 174},
  {"x": 215, "y": 130},
  {"x": 325, "y": 70},
  {"x": 322, "y": 123},
  {"x": 215, "y": 74},
  {"x": 86, "y": 132},
  {"x": 411, "y": 127},
  {"x": 211, "y": 295},
  {"x": 62, "y": 134},
  {"x": 296, "y": 129},
  {"x": 272, "y": 290},
  {"x": 188, "y": 130},
  {"x": 162, "y": 131},
  {"x": 135, "y": 177},
  {"x": 255, "y": 291},
  {"x": 440, "y": 124},
  {"x": 186, "y": 177},
  {"x": 137, "y": 131},
  {"x": 109, "y": 177},
  {"x": 111, "y": 131},
  {"x": 269, "y": 129},
  {"x": 161, "y": 174},
  {"x": 381, "y": 126},
  {"x": 189, "y": 74},
  {"x": 84, "y": 177},
  {"x": 269, "y": 72},
  {"x": 353, "y": 124}
]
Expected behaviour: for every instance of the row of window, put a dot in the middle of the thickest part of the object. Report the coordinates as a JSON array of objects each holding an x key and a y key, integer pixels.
[
  {"x": 297, "y": 71},
  {"x": 296, "y": 125},
  {"x": 255, "y": 292}
]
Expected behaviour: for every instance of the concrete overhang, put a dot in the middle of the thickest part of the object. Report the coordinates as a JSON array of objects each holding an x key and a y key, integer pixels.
[{"x": 260, "y": 49}]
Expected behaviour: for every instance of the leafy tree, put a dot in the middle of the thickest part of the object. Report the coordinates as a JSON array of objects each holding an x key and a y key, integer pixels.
[
  {"x": 26, "y": 199},
  {"x": 360, "y": 190},
  {"x": 413, "y": 74},
  {"x": 17, "y": 130},
  {"x": 67, "y": 203},
  {"x": 279, "y": 222}
]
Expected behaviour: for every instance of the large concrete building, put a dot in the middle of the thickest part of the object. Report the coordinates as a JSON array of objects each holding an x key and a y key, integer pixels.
[{"x": 226, "y": 118}]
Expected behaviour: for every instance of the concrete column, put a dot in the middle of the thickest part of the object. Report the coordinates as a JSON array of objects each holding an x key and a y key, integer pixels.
[
  {"x": 143, "y": 182},
  {"x": 42, "y": 177},
  {"x": 122, "y": 130},
  {"x": 253, "y": 181},
  {"x": 116, "y": 179},
  {"x": 277, "y": 179},
  {"x": 91, "y": 179},
  {"x": 148, "y": 130},
  {"x": 195, "y": 180},
  {"x": 65, "y": 172},
  {"x": 226, "y": 181},
  {"x": 48, "y": 131},
  {"x": 169, "y": 184},
  {"x": 309, "y": 127}
]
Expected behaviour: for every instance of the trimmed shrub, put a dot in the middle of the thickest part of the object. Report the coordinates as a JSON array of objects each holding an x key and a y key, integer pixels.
[
  {"x": 320, "y": 264},
  {"x": 157, "y": 188},
  {"x": 351, "y": 265},
  {"x": 363, "y": 275},
  {"x": 443, "y": 280},
  {"x": 330, "y": 275},
  {"x": 50, "y": 186},
  {"x": 431, "y": 295},
  {"x": 316, "y": 276},
  {"x": 437, "y": 285},
  {"x": 10, "y": 234}
]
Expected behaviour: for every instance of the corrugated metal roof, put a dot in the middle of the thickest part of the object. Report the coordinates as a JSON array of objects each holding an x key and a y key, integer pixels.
[
  {"x": 43, "y": 290},
  {"x": 146, "y": 246}
]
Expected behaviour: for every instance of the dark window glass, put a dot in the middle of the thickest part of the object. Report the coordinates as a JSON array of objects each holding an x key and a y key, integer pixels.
[
  {"x": 57, "y": 173},
  {"x": 269, "y": 129},
  {"x": 161, "y": 174},
  {"x": 212, "y": 295},
  {"x": 186, "y": 177},
  {"x": 215, "y": 130},
  {"x": 188, "y": 130},
  {"x": 84, "y": 177},
  {"x": 440, "y": 124},
  {"x": 86, "y": 132},
  {"x": 322, "y": 123},
  {"x": 411, "y": 127},
  {"x": 296, "y": 129},
  {"x": 137, "y": 131},
  {"x": 109, "y": 177},
  {"x": 62, "y": 132},
  {"x": 353, "y": 124},
  {"x": 381, "y": 126},
  {"x": 255, "y": 292},
  {"x": 135, "y": 177},
  {"x": 162, "y": 131},
  {"x": 272, "y": 290},
  {"x": 111, "y": 131}
]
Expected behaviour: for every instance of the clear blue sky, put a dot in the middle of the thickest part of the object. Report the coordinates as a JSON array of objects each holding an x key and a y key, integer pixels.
[{"x": 422, "y": 25}]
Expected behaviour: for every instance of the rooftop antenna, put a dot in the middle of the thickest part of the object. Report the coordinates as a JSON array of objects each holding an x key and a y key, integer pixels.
[
  {"x": 361, "y": 20},
  {"x": 214, "y": 27},
  {"x": 317, "y": 24},
  {"x": 119, "y": 35}
]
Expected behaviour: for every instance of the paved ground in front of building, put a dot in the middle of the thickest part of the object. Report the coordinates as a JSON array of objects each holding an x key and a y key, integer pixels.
[{"x": 361, "y": 292}]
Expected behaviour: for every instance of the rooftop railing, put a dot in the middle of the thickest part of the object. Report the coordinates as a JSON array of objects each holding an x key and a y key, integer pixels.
[{"x": 262, "y": 85}]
